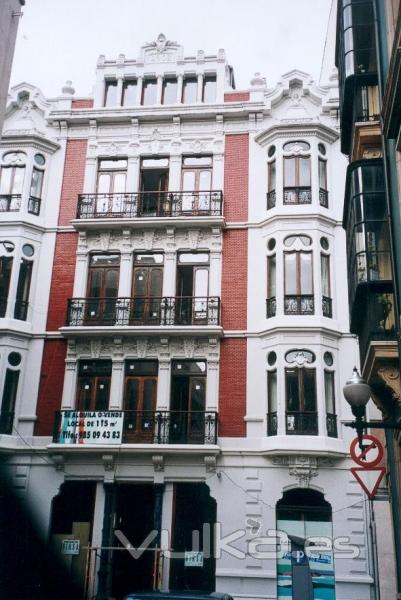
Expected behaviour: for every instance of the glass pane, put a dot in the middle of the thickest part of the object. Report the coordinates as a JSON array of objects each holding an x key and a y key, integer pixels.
[
  {"x": 291, "y": 381},
  {"x": 97, "y": 260},
  {"x": 84, "y": 393},
  {"x": 290, "y": 146},
  {"x": 6, "y": 264},
  {"x": 19, "y": 173},
  {"x": 271, "y": 276},
  {"x": 290, "y": 274},
  {"x": 111, "y": 283},
  {"x": 140, "y": 281},
  {"x": 95, "y": 283},
  {"x": 104, "y": 183},
  {"x": 197, "y": 400},
  {"x": 169, "y": 91},
  {"x": 205, "y": 180},
  {"x": 272, "y": 391},
  {"x": 129, "y": 93},
  {"x": 154, "y": 163},
  {"x": 148, "y": 259},
  {"x": 141, "y": 367},
  {"x": 306, "y": 273},
  {"x": 156, "y": 283},
  {"x": 322, "y": 175},
  {"x": 201, "y": 282},
  {"x": 111, "y": 93},
  {"x": 209, "y": 89},
  {"x": 325, "y": 264},
  {"x": 102, "y": 393},
  {"x": 149, "y": 92},
  {"x": 309, "y": 390},
  {"x": 111, "y": 164},
  {"x": 24, "y": 280},
  {"x": 188, "y": 181},
  {"x": 5, "y": 180},
  {"x": 329, "y": 392},
  {"x": 131, "y": 394},
  {"x": 289, "y": 172},
  {"x": 271, "y": 176},
  {"x": 193, "y": 257},
  {"x": 36, "y": 183},
  {"x": 119, "y": 183},
  {"x": 149, "y": 394},
  {"x": 197, "y": 161},
  {"x": 304, "y": 172},
  {"x": 190, "y": 89}
]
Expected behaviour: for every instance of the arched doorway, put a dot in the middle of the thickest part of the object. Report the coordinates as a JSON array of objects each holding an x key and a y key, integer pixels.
[{"x": 304, "y": 514}]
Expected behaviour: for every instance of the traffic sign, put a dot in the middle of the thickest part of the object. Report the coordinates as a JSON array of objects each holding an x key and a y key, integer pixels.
[
  {"x": 372, "y": 453},
  {"x": 369, "y": 479}
]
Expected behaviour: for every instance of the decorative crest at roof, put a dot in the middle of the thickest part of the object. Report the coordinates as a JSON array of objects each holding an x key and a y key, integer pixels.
[{"x": 161, "y": 50}]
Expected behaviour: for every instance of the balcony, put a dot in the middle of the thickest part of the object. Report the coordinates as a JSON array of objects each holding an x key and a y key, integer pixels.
[
  {"x": 13, "y": 203},
  {"x": 178, "y": 311},
  {"x": 150, "y": 204},
  {"x": 377, "y": 323},
  {"x": 299, "y": 305},
  {"x": 331, "y": 425},
  {"x": 327, "y": 307},
  {"x": 135, "y": 427},
  {"x": 271, "y": 199},
  {"x": 270, "y": 307},
  {"x": 301, "y": 423},
  {"x": 34, "y": 205},
  {"x": 324, "y": 198},
  {"x": 6, "y": 422},
  {"x": 297, "y": 195}
]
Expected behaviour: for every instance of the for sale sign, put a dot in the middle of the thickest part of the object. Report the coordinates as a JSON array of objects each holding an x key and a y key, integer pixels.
[{"x": 90, "y": 427}]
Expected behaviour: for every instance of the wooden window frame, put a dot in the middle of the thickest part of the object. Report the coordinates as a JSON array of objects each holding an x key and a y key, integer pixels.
[
  {"x": 298, "y": 254},
  {"x": 297, "y": 159},
  {"x": 301, "y": 388}
]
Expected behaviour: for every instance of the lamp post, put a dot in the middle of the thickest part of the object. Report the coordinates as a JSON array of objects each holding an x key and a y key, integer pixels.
[{"x": 357, "y": 393}]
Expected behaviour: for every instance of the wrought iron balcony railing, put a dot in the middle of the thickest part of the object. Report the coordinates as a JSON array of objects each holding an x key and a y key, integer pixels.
[
  {"x": 301, "y": 423},
  {"x": 324, "y": 198},
  {"x": 299, "y": 305},
  {"x": 138, "y": 427},
  {"x": 271, "y": 199},
  {"x": 327, "y": 307},
  {"x": 331, "y": 425},
  {"x": 270, "y": 307},
  {"x": 272, "y": 423},
  {"x": 10, "y": 202},
  {"x": 297, "y": 195},
  {"x": 34, "y": 205},
  {"x": 6, "y": 422},
  {"x": 186, "y": 310},
  {"x": 150, "y": 204},
  {"x": 21, "y": 310}
]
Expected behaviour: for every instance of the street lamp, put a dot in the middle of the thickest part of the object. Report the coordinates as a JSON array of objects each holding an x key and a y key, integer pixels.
[{"x": 357, "y": 393}]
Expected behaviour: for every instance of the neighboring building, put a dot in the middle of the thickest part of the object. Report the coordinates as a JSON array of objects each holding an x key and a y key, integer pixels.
[
  {"x": 10, "y": 13},
  {"x": 175, "y": 333}
]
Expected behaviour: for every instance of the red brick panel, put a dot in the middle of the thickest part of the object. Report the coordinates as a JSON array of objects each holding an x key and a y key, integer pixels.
[
  {"x": 83, "y": 103},
  {"x": 232, "y": 402},
  {"x": 234, "y": 279},
  {"x": 51, "y": 385},
  {"x": 236, "y": 97},
  {"x": 62, "y": 279},
  {"x": 73, "y": 179},
  {"x": 236, "y": 159}
]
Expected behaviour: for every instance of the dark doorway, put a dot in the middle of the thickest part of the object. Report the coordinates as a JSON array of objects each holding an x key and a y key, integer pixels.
[
  {"x": 154, "y": 185},
  {"x": 188, "y": 397},
  {"x": 193, "y": 508},
  {"x": 134, "y": 517},
  {"x": 72, "y": 519}
]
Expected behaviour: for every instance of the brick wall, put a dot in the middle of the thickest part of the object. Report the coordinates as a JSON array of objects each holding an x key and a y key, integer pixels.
[
  {"x": 236, "y": 167},
  {"x": 234, "y": 279},
  {"x": 236, "y": 97},
  {"x": 62, "y": 279},
  {"x": 232, "y": 401},
  {"x": 51, "y": 385},
  {"x": 84, "y": 103},
  {"x": 73, "y": 179}
]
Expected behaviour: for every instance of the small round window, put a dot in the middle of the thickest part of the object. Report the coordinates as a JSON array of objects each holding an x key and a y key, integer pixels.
[
  {"x": 271, "y": 358},
  {"x": 39, "y": 159},
  {"x": 271, "y": 151},
  {"x": 296, "y": 146},
  {"x": 28, "y": 250},
  {"x": 271, "y": 244},
  {"x": 328, "y": 359},
  {"x": 322, "y": 149},
  {"x": 324, "y": 242},
  {"x": 14, "y": 358}
]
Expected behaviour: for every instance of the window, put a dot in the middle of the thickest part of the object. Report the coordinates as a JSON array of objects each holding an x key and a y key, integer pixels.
[
  {"x": 6, "y": 264},
  {"x": 169, "y": 95},
  {"x": 271, "y": 286},
  {"x": 301, "y": 413},
  {"x": 140, "y": 390},
  {"x": 271, "y": 184},
  {"x": 35, "y": 191},
  {"x": 12, "y": 175},
  {"x": 111, "y": 182},
  {"x": 93, "y": 388},
  {"x": 192, "y": 288},
  {"x": 331, "y": 418},
  {"x": 110, "y": 94},
  {"x": 196, "y": 184},
  {"x": 189, "y": 90},
  {"x": 209, "y": 88},
  {"x": 188, "y": 397},
  {"x": 297, "y": 180},
  {"x": 8, "y": 401},
  {"x": 102, "y": 289},
  {"x": 149, "y": 92},
  {"x": 23, "y": 289},
  {"x": 130, "y": 88},
  {"x": 272, "y": 402},
  {"x": 298, "y": 283},
  {"x": 147, "y": 289},
  {"x": 323, "y": 193},
  {"x": 154, "y": 185},
  {"x": 326, "y": 292}
]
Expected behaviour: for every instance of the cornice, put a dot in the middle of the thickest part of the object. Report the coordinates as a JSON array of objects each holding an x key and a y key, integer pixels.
[
  {"x": 16, "y": 138},
  {"x": 296, "y": 129}
]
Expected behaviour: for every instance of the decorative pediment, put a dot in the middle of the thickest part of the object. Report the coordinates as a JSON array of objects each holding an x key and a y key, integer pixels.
[{"x": 161, "y": 50}]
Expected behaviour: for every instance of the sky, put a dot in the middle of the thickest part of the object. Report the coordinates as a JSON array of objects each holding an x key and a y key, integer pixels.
[{"x": 60, "y": 40}]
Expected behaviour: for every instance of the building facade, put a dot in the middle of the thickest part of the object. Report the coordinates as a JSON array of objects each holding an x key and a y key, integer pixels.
[{"x": 175, "y": 337}]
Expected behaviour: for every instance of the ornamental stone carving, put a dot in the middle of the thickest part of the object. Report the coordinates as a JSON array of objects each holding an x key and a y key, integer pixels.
[
  {"x": 391, "y": 379},
  {"x": 303, "y": 468}
]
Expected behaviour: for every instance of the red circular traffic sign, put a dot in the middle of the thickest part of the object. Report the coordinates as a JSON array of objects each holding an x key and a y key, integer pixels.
[{"x": 361, "y": 456}]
